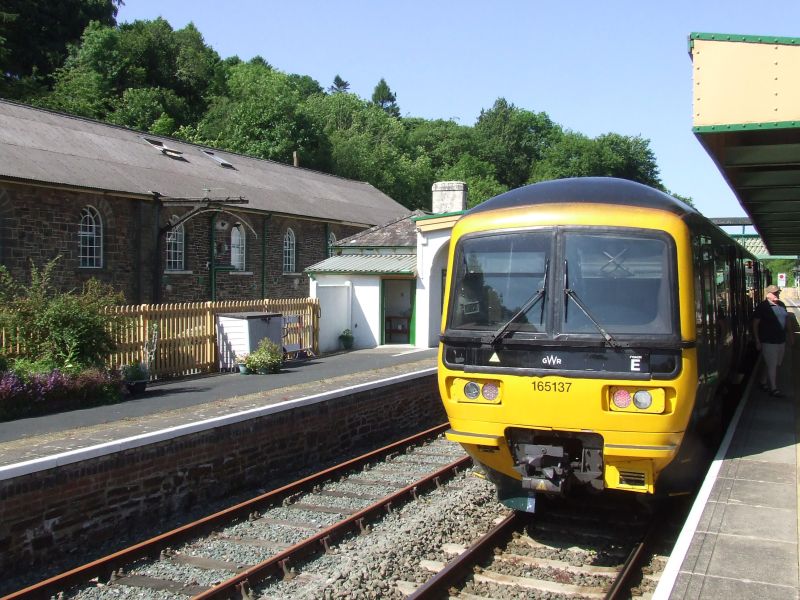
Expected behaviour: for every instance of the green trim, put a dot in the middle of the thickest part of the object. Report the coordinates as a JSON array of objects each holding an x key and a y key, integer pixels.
[
  {"x": 383, "y": 313},
  {"x": 439, "y": 216},
  {"x": 375, "y": 248},
  {"x": 412, "y": 324},
  {"x": 746, "y": 127},
  {"x": 408, "y": 273},
  {"x": 749, "y": 39}
]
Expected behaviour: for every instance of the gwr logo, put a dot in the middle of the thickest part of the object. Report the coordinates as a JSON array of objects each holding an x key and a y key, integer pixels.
[{"x": 551, "y": 360}]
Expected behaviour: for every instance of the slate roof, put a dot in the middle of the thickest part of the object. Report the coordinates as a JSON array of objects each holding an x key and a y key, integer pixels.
[
  {"x": 397, "y": 232},
  {"x": 48, "y": 147},
  {"x": 368, "y": 264}
]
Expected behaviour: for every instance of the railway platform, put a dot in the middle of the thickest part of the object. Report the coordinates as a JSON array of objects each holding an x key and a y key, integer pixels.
[
  {"x": 42, "y": 442},
  {"x": 741, "y": 538}
]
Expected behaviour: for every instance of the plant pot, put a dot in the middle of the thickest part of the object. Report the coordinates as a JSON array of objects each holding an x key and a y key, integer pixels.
[
  {"x": 136, "y": 387},
  {"x": 243, "y": 369},
  {"x": 347, "y": 341}
]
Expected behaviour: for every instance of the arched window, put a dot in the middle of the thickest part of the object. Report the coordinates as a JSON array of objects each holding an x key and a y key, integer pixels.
[
  {"x": 237, "y": 247},
  {"x": 90, "y": 239},
  {"x": 288, "y": 252},
  {"x": 175, "y": 249},
  {"x": 331, "y": 242}
]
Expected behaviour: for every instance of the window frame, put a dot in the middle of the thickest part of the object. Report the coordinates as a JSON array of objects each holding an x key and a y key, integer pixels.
[
  {"x": 175, "y": 245},
  {"x": 238, "y": 248},
  {"x": 289, "y": 251},
  {"x": 90, "y": 238}
]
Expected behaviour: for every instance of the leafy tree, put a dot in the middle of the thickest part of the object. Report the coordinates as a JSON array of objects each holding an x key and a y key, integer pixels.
[
  {"x": 37, "y": 33},
  {"x": 609, "y": 155},
  {"x": 143, "y": 108},
  {"x": 479, "y": 177},
  {"x": 306, "y": 86},
  {"x": 339, "y": 85},
  {"x": 174, "y": 73},
  {"x": 512, "y": 139},
  {"x": 263, "y": 116},
  {"x": 383, "y": 97},
  {"x": 444, "y": 142}
]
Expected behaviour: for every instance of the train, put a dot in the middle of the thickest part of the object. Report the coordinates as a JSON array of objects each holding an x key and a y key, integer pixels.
[{"x": 588, "y": 328}]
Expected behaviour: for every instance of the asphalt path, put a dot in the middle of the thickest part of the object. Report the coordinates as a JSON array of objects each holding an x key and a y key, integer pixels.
[{"x": 183, "y": 393}]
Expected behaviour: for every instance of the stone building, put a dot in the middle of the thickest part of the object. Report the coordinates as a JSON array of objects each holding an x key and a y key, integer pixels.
[{"x": 162, "y": 220}]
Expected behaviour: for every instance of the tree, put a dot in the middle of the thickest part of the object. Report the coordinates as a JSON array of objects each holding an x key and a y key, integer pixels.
[
  {"x": 37, "y": 33},
  {"x": 608, "y": 155},
  {"x": 383, "y": 97},
  {"x": 339, "y": 85},
  {"x": 174, "y": 73},
  {"x": 479, "y": 177},
  {"x": 512, "y": 139},
  {"x": 264, "y": 115}
]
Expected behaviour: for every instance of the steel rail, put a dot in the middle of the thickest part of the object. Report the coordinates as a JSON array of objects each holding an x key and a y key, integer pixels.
[
  {"x": 105, "y": 566},
  {"x": 459, "y": 567},
  {"x": 279, "y": 564},
  {"x": 631, "y": 564}
]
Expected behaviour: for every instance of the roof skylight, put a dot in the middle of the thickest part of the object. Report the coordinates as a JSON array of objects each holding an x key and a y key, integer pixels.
[{"x": 218, "y": 159}]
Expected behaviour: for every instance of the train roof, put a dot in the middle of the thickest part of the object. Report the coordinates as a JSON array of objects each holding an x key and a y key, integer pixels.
[{"x": 589, "y": 190}]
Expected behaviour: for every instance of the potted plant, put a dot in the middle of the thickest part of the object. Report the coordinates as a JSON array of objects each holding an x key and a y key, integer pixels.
[
  {"x": 241, "y": 362},
  {"x": 135, "y": 376},
  {"x": 267, "y": 358},
  {"x": 346, "y": 338}
]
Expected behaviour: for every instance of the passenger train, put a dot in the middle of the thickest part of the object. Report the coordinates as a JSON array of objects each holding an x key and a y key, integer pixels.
[{"x": 588, "y": 326}]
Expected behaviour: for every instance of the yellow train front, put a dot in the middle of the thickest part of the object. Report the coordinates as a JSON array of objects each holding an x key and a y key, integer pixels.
[{"x": 587, "y": 326}]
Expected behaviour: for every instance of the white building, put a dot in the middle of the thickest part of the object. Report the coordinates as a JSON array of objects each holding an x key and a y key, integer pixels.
[{"x": 386, "y": 284}]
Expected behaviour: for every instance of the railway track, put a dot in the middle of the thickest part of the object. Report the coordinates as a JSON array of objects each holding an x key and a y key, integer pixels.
[
  {"x": 586, "y": 552},
  {"x": 225, "y": 554}
]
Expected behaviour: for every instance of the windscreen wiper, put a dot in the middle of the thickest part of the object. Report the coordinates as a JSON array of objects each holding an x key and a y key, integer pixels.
[
  {"x": 529, "y": 304},
  {"x": 607, "y": 336}
]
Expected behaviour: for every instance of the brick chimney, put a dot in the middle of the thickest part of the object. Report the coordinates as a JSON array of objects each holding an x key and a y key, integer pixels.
[{"x": 449, "y": 196}]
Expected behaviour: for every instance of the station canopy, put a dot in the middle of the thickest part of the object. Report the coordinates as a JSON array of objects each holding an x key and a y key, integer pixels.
[{"x": 746, "y": 114}]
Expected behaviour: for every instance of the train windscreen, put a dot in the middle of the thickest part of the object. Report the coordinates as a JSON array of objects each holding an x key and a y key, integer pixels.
[
  {"x": 498, "y": 276},
  {"x": 620, "y": 282}
]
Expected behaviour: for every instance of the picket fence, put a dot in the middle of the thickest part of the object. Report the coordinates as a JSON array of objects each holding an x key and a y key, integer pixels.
[{"x": 181, "y": 339}]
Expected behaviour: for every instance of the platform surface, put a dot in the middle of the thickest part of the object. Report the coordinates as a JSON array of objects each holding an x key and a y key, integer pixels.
[
  {"x": 173, "y": 404},
  {"x": 741, "y": 540}
]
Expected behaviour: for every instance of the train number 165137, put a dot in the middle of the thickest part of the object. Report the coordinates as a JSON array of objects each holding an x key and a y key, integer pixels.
[{"x": 552, "y": 386}]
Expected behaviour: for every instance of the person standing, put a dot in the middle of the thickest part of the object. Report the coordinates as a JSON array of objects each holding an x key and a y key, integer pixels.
[{"x": 770, "y": 325}]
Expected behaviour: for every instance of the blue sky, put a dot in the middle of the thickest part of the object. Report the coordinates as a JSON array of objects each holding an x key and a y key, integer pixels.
[{"x": 593, "y": 67}]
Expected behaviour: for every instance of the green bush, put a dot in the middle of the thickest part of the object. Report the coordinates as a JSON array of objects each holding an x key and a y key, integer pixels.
[
  {"x": 267, "y": 358},
  {"x": 69, "y": 329}
]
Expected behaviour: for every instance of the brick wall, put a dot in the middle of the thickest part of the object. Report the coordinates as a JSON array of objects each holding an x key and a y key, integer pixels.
[
  {"x": 39, "y": 223},
  {"x": 48, "y": 514}
]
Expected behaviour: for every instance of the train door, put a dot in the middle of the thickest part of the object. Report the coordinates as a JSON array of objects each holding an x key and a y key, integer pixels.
[{"x": 705, "y": 308}]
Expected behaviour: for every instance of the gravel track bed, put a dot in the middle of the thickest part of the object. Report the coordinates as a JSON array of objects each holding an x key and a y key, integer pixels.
[{"x": 368, "y": 566}]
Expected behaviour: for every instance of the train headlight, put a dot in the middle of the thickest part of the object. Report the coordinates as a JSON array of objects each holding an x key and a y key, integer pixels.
[
  {"x": 490, "y": 391},
  {"x": 651, "y": 401},
  {"x": 472, "y": 390},
  {"x": 642, "y": 399},
  {"x": 621, "y": 398}
]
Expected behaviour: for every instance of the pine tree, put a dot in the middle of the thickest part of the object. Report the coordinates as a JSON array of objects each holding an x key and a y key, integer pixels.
[{"x": 385, "y": 98}]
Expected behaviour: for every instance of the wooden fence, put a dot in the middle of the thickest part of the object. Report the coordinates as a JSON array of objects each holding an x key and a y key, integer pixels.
[{"x": 181, "y": 339}]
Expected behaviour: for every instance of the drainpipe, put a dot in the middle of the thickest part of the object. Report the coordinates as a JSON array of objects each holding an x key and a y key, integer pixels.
[
  {"x": 156, "y": 296},
  {"x": 264, "y": 257},
  {"x": 212, "y": 265}
]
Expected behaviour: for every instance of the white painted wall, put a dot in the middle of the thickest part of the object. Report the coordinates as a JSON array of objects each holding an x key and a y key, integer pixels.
[
  {"x": 432, "y": 248},
  {"x": 335, "y": 300},
  {"x": 359, "y": 310}
]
